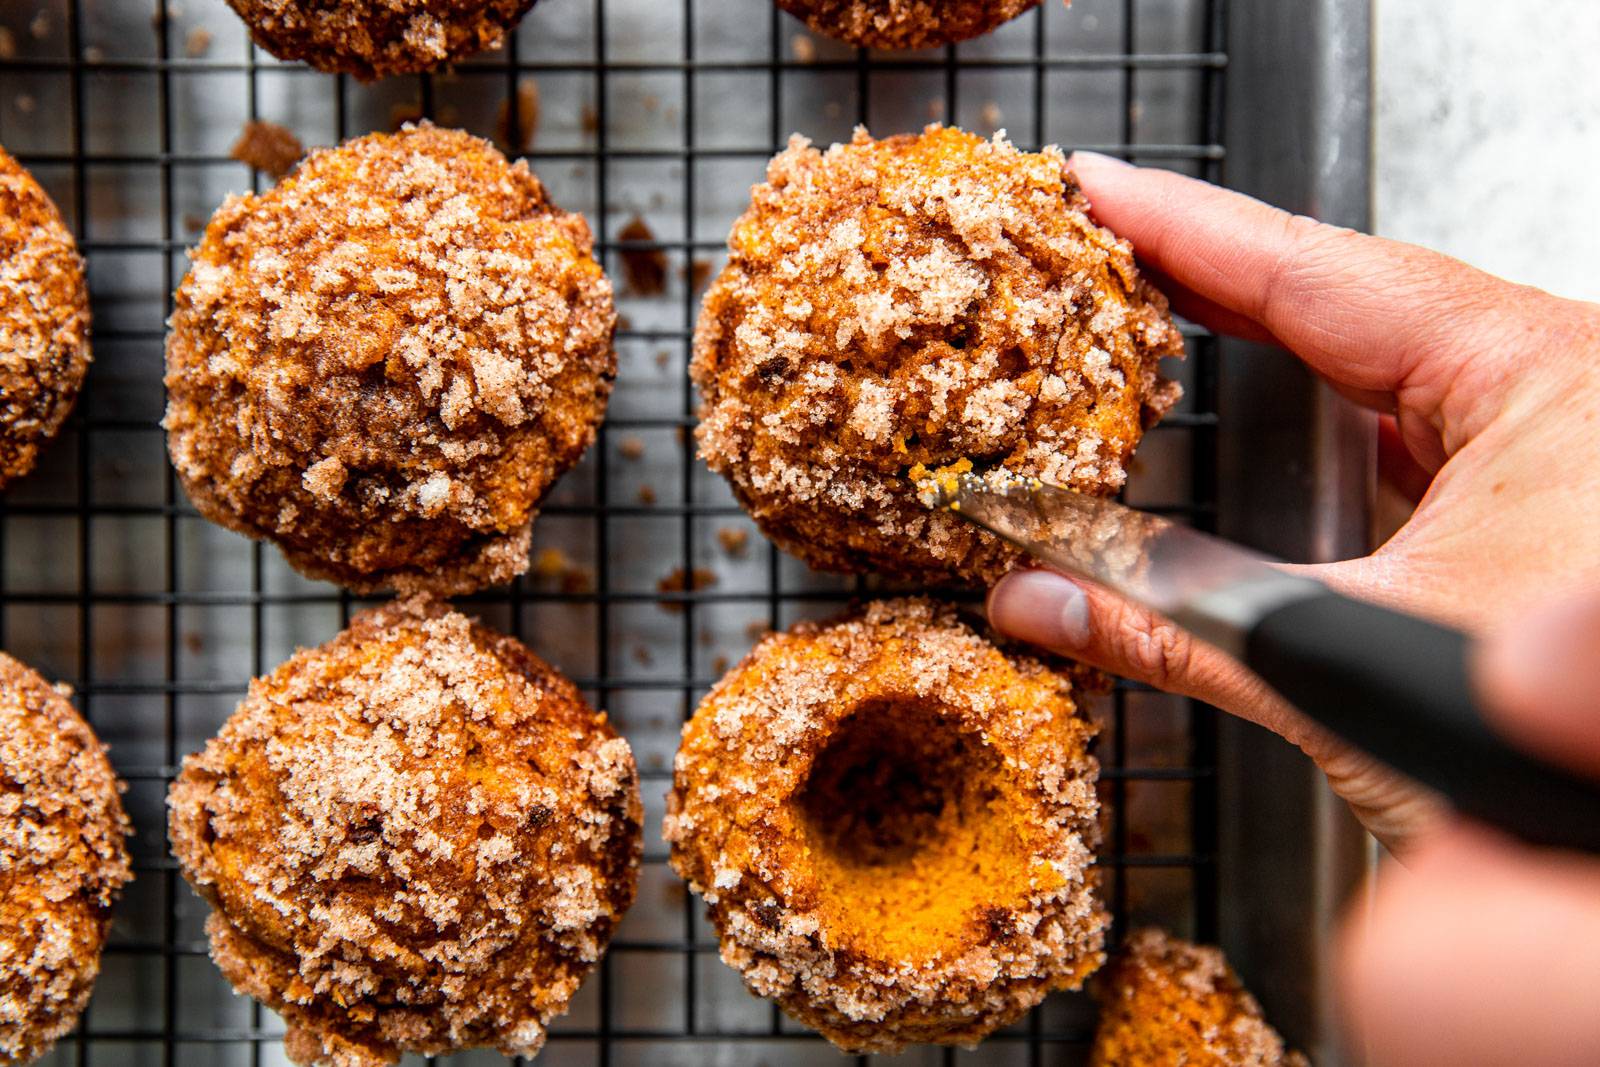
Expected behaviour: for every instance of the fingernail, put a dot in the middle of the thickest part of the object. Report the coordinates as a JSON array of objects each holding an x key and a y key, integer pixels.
[
  {"x": 1097, "y": 159},
  {"x": 1041, "y": 608}
]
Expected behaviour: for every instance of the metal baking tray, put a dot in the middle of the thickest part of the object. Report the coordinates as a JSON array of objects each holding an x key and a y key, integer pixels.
[{"x": 667, "y": 111}]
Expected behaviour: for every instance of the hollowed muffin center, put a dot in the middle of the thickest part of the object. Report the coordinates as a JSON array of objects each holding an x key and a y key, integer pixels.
[{"x": 913, "y": 830}]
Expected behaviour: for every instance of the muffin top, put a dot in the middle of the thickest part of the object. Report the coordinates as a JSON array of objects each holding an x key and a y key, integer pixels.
[{"x": 1164, "y": 1000}]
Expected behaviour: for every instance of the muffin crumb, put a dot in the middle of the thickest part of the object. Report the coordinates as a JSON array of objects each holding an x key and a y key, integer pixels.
[
  {"x": 267, "y": 147},
  {"x": 517, "y": 124},
  {"x": 682, "y": 581},
  {"x": 646, "y": 268},
  {"x": 735, "y": 540},
  {"x": 197, "y": 42}
]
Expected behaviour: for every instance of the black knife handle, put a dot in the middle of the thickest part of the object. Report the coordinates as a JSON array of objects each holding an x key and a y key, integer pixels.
[{"x": 1398, "y": 687}]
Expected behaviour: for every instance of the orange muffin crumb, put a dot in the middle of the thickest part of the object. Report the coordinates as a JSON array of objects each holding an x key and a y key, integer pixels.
[
  {"x": 916, "y": 301},
  {"x": 891, "y": 823},
  {"x": 415, "y": 838},
  {"x": 1164, "y": 1001}
]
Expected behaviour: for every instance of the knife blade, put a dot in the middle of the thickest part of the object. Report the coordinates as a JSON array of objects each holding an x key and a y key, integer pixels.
[{"x": 1394, "y": 685}]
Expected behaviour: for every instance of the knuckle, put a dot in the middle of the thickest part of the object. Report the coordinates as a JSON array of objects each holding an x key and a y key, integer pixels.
[
  {"x": 1154, "y": 651},
  {"x": 1305, "y": 247}
]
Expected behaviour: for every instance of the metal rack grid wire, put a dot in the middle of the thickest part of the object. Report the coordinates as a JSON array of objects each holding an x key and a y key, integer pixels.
[{"x": 667, "y": 112}]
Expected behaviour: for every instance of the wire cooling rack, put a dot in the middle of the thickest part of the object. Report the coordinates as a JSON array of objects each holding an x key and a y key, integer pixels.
[{"x": 664, "y": 112}]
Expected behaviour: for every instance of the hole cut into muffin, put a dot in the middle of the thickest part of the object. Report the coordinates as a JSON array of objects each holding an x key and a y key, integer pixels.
[
  {"x": 910, "y": 830},
  {"x": 892, "y": 823}
]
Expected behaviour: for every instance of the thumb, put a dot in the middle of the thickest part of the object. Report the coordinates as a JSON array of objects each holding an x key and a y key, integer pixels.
[
  {"x": 1093, "y": 625},
  {"x": 1540, "y": 677},
  {"x": 1482, "y": 951}
]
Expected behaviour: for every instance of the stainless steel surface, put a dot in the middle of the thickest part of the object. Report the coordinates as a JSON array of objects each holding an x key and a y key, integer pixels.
[
  {"x": 667, "y": 110},
  {"x": 1298, "y": 462},
  {"x": 1215, "y": 590}
]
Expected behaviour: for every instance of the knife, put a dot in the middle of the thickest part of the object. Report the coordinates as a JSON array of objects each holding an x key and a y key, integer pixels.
[{"x": 1391, "y": 684}]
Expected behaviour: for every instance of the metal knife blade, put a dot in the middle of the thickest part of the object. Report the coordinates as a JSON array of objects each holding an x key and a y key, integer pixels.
[{"x": 1214, "y": 589}]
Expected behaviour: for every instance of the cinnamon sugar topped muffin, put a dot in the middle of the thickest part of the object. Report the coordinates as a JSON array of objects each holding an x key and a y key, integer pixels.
[
  {"x": 917, "y": 301},
  {"x": 905, "y": 23},
  {"x": 1164, "y": 1001},
  {"x": 385, "y": 362},
  {"x": 892, "y": 823},
  {"x": 374, "y": 38},
  {"x": 44, "y": 320},
  {"x": 63, "y": 860},
  {"x": 415, "y": 838}
]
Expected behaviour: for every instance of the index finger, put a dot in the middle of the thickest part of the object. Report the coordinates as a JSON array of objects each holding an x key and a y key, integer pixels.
[{"x": 1367, "y": 313}]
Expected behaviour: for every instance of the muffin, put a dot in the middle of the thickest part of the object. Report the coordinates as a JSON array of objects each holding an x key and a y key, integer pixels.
[
  {"x": 375, "y": 38},
  {"x": 63, "y": 861},
  {"x": 891, "y": 822},
  {"x": 905, "y": 23},
  {"x": 415, "y": 838},
  {"x": 1165, "y": 1001},
  {"x": 906, "y": 305},
  {"x": 384, "y": 362},
  {"x": 44, "y": 321}
]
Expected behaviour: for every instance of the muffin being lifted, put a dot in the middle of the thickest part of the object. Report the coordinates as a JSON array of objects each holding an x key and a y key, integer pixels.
[
  {"x": 416, "y": 838},
  {"x": 892, "y": 822},
  {"x": 920, "y": 300},
  {"x": 385, "y": 362}
]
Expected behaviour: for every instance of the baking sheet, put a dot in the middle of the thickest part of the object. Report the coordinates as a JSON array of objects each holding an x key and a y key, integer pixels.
[{"x": 665, "y": 111}]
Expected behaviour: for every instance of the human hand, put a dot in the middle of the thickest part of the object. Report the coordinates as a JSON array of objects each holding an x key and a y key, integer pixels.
[
  {"x": 1493, "y": 390},
  {"x": 1481, "y": 950}
]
